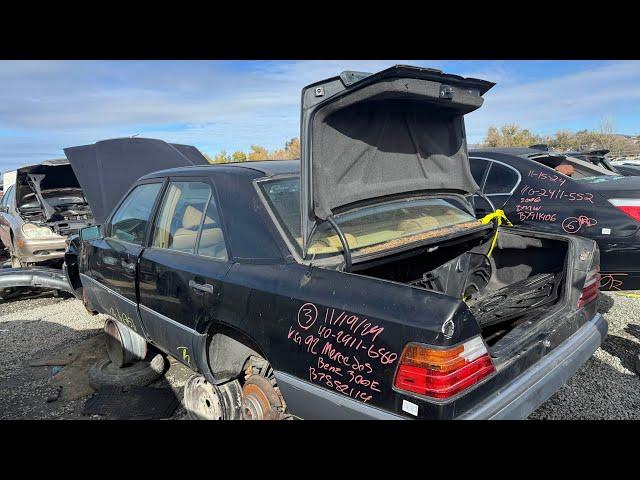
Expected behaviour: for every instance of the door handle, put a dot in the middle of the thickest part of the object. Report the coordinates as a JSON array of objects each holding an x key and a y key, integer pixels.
[{"x": 202, "y": 287}]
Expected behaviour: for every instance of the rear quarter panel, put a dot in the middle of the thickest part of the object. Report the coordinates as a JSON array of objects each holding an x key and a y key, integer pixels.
[{"x": 339, "y": 331}]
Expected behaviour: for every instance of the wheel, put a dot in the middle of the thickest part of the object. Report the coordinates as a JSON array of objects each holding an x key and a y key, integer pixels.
[
  {"x": 205, "y": 401},
  {"x": 124, "y": 346},
  {"x": 142, "y": 373}
]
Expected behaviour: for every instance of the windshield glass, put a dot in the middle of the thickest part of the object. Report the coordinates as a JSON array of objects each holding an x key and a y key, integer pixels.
[{"x": 367, "y": 226}]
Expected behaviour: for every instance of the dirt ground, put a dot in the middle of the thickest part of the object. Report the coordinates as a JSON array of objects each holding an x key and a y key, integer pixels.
[{"x": 42, "y": 328}]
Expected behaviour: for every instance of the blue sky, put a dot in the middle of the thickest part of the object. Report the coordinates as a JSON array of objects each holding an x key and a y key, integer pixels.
[{"x": 215, "y": 105}]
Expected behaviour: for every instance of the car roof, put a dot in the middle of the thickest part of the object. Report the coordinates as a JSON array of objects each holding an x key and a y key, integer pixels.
[
  {"x": 517, "y": 151},
  {"x": 268, "y": 168}
]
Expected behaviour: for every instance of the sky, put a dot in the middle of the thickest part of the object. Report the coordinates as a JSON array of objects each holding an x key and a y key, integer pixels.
[{"x": 46, "y": 106}]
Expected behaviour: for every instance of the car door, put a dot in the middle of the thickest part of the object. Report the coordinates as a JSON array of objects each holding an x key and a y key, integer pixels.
[
  {"x": 5, "y": 227},
  {"x": 110, "y": 278},
  {"x": 500, "y": 183},
  {"x": 182, "y": 270}
]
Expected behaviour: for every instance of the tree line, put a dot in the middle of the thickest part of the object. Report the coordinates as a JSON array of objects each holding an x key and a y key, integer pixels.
[
  {"x": 290, "y": 151},
  {"x": 513, "y": 135}
]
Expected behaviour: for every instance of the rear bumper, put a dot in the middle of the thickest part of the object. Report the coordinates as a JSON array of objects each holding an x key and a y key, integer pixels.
[{"x": 528, "y": 391}]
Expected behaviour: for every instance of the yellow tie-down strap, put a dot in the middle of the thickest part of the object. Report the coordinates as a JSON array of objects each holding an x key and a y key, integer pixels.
[{"x": 499, "y": 216}]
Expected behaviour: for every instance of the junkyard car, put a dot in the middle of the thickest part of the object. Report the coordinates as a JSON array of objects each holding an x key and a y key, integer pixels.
[
  {"x": 599, "y": 158},
  {"x": 356, "y": 283},
  {"x": 41, "y": 207},
  {"x": 593, "y": 203}
]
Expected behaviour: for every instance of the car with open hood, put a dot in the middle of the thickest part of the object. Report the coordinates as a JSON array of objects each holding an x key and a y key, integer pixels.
[
  {"x": 43, "y": 204},
  {"x": 355, "y": 283},
  {"x": 593, "y": 202}
]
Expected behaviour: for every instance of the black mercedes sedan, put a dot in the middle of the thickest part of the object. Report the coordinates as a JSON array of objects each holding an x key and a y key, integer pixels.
[
  {"x": 341, "y": 286},
  {"x": 593, "y": 203}
]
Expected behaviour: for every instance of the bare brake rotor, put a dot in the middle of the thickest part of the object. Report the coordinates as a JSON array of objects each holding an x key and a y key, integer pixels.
[{"x": 261, "y": 400}]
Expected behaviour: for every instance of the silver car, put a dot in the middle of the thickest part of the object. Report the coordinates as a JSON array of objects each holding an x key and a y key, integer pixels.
[{"x": 42, "y": 205}]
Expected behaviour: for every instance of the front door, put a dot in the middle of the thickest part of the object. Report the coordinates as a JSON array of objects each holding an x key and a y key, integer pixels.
[
  {"x": 110, "y": 276},
  {"x": 182, "y": 271}
]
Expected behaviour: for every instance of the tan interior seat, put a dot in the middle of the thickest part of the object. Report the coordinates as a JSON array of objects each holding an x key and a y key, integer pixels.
[
  {"x": 212, "y": 243},
  {"x": 185, "y": 237},
  {"x": 418, "y": 224}
]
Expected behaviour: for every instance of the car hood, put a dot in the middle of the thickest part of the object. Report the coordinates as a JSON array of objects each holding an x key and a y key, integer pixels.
[
  {"x": 108, "y": 168},
  {"x": 367, "y": 136},
  {"x": 46, "y": 175}
]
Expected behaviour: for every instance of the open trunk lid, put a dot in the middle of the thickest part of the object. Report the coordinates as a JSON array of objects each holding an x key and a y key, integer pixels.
[
  {"x": 107, "y": 169},
  {"x": 369, "y": 136}
]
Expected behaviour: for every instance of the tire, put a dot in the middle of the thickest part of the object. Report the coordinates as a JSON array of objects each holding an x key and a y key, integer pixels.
[
  {"x": 139, "y": 374},
  {"x": 637, "y": 362}
]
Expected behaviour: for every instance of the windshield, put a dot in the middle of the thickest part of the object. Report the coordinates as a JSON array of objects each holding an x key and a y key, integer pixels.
[{"x": 367, "y": 226}]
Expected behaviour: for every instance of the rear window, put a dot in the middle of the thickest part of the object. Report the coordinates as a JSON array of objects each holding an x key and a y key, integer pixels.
[{"x": 363, "y": 227}]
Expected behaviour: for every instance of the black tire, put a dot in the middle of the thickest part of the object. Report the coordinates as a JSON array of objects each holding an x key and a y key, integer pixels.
[
  {"x": 637, "y": 359},
  {"x": 140, "y": 374}
]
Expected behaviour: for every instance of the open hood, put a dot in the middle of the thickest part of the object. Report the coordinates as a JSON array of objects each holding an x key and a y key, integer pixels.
[
  {"x": 367, "y": 136},
  {"x": 107, "y": 169},
  {"x": 47, "y": 175}
]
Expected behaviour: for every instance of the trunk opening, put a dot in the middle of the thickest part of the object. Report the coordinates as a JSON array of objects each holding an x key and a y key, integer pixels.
[{"x": 522, "y": 281}]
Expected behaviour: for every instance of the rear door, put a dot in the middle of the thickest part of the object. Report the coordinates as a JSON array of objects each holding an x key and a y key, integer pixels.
[
  {"x": 110, "y": 279},
  {"x": 182, "y": 270}
]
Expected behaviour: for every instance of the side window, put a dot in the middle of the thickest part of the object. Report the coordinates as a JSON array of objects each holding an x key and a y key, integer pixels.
[
  {"x": 130, "y": 221},
  {"x": 181, "y": 216},
  {"x": 478, "y": 167},
  {"x": 501, "y": 179},
  {"x": 212, "y": 239}
]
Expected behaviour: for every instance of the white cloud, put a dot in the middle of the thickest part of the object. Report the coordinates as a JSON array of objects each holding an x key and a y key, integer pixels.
[{"x": 45, "y": 106}]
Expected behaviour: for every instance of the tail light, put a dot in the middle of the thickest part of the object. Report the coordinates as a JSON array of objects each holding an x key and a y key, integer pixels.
[
  {"x": 630, "y": 206},
  {"x": 442, "y": 373},
  {"x": 591, "y": 288}
]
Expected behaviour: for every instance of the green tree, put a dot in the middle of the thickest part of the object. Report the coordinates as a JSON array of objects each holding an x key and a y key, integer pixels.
[
  {"x": 221, "y": 157},
  {"x": 239, "y": 156},
  {"x": 258, "y": 153}
]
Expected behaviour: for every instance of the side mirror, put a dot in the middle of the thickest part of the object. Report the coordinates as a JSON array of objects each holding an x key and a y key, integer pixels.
[{"x": 90, "y": 233}]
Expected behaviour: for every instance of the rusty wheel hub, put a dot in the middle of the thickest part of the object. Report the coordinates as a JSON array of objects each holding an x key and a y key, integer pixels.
[{"x": 261, "y": 400}]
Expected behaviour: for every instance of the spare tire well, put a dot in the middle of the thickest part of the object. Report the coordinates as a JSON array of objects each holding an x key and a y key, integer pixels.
[{"x": 227, "y": 352}]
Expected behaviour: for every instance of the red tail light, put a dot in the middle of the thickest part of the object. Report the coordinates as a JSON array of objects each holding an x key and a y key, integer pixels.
[
  {"x": 591, "y": 288},
  {"x": 630, "y": 206},
  {"x": 443, "y": 373}
]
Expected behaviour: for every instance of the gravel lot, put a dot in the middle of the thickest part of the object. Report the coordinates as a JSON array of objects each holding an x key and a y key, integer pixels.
[{"x": 36, "y": 327}]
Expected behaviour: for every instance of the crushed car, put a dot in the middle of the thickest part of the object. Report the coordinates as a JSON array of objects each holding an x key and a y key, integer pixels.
[
  {"x": 355, "y": 283},
  {"x": 43, "y": 204},
  {"x": 593, "y": 202}
]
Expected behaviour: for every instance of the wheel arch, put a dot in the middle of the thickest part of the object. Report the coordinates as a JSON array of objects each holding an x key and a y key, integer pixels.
[{"x": 226, "y": 350}]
